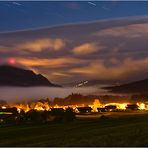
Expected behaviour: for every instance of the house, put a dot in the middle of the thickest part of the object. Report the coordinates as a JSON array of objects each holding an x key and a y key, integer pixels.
[
  {"x": 84, "y": 109},
  {"x": 8, "y": 115},
  {"x": 111, "y": 108},
  {"x": 132, "y": 107},
  {"x": 101, "y": 109}
]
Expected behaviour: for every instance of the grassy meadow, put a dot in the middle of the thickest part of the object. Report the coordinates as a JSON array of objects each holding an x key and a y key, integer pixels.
[{"x": 119, "y": 129}]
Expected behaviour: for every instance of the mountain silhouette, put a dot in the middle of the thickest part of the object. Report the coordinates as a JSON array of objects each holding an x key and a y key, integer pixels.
[
  {"x": 140, "y": 86},
  {"x": 14, "y": 76}
]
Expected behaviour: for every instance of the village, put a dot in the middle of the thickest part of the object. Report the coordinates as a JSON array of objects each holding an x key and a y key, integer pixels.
[{"x": 43, "y": 111}]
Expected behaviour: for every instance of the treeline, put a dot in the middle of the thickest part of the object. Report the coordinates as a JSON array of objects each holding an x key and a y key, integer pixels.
[
  {"x": 76, "y": 99},
  {"x": 139, "y": 98}
]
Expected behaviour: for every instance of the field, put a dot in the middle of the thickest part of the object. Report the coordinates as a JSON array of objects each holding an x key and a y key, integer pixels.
[{"x": 119, "y": 129}]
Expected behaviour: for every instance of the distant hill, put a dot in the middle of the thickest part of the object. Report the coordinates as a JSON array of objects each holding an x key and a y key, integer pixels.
[
  {"x": 133, "y": 87},
  {"x": 90, "y": 83},
  {"x": 13, "y": 76}
]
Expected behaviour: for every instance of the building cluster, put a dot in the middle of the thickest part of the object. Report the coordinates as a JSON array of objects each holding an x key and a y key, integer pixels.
[{"x": 45, "y": 112}]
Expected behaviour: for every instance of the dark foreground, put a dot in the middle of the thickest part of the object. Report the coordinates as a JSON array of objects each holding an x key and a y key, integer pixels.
[{"x": 119, "y": 129}]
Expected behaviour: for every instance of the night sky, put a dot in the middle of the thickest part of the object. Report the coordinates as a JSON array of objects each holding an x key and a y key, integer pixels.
[
  {"x": 23, "y": 15},
  {"x": 74, "y": 41}
]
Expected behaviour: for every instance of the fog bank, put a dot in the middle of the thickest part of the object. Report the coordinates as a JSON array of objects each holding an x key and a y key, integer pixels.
[{"x": 18, "y": 94}]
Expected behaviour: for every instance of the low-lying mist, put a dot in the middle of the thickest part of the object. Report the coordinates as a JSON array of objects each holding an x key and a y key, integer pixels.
[{"x": 19, "y": 94}]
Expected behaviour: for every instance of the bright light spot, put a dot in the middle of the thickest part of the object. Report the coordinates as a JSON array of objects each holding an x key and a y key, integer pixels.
[
  {"x": 11, "y": 61},
  {"x": 141, "y": 106},
  {"x": 19, "y": 110},
  {"x": 3, "y": 107}
]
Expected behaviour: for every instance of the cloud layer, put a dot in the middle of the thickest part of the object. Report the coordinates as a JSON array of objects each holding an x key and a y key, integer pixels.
[
  {"x": 42, "y": 44},
  {"x": 109, "y": 50},
  {"x": 86, "y": 48}
]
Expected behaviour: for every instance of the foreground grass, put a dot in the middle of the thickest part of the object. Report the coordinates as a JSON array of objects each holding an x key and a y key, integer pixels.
[{"x": 127, "y": 130}]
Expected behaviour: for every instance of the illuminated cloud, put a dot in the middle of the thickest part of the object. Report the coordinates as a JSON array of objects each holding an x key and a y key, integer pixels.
[
  {"x": 51, "y": 63},
  {"x": 42, "y": 44},
  {"x": 86, "y": 48},
  {"x": 132, "y": 31},
  {"x": 60, "y": 74},
  {"x": 114, "y": 61},
  {"x": 127, "y": 69}
]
